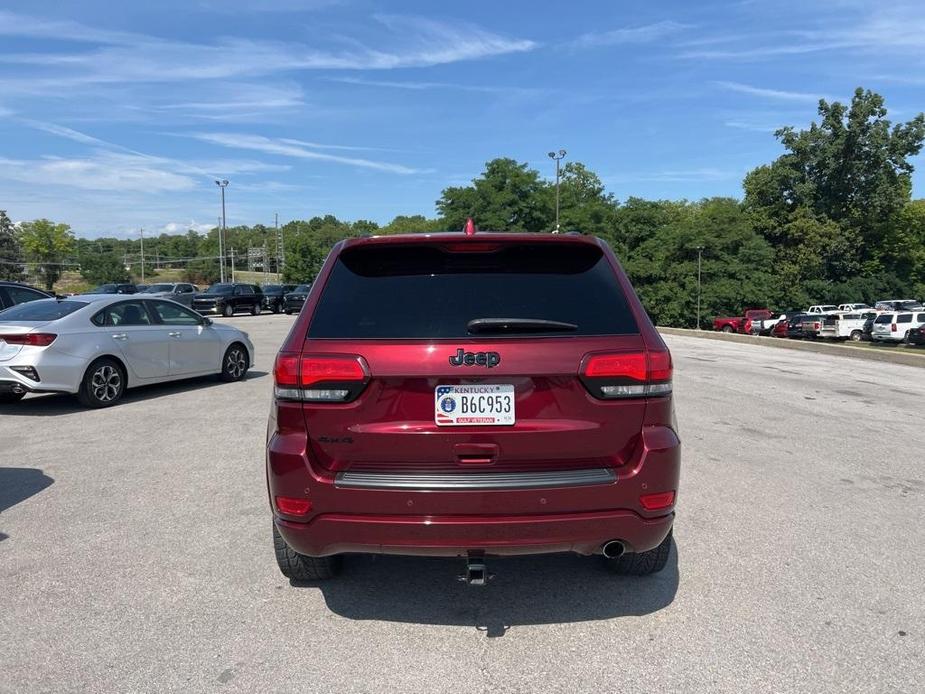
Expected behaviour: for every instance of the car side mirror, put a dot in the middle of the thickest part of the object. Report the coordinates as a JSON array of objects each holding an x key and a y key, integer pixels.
[{"x": 206, "y": 321}]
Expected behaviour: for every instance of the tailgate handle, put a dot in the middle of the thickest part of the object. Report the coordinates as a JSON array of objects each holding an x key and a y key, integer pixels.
[{"x": 476, "y": 453}]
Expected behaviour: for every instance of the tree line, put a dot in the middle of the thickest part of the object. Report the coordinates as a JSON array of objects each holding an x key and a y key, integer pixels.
[{"x": 831, "y": 220}]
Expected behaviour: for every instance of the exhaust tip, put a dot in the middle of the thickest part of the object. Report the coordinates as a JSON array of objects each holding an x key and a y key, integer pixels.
[{"x": 613, "y": 549}]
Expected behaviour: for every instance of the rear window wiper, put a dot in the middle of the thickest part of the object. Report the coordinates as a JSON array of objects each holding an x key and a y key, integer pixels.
[{"x": 518, "y": 325}]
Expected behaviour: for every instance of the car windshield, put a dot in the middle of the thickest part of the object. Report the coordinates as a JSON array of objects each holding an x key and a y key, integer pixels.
[
  {"x": 41, "y": 310},
  {"x": 155, "y": 288},
  {"x": 103, "y": 289},
  {"x": 884, "y": 318},
  {"x": 302, "y": 288},
  {"x": 272, "y": 287},
  {"x": 910, "y": 305},
  {"x": 220, "y": 289}
]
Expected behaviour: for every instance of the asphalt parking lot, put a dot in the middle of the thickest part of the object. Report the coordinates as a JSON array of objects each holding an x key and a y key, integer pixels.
[{"x": 135, "y": 552}]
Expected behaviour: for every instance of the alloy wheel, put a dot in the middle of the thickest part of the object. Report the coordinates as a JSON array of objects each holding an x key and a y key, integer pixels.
[
  {"x": 106, "y": 383},
  {"x": 235, "y": 363}
]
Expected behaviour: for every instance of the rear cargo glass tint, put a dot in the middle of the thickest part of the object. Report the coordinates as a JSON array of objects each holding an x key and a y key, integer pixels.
[
  {"x": 41, "y": 310},
  {"x": 416, "y": 291}
]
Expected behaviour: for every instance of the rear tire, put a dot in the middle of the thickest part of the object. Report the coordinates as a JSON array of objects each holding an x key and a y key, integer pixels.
[
  {"x": 235, "y": 363},
  {"x": 276, "y": 308},
  {"x": 103, "y": 384},
  {"x": 228, "y": 312},
  {"x": 255, "y": 309},
  {"x": 727, "y": 329},
  {"x": 288, "y": 312},
  {"x": 10, "y": 398},
  {"x": 855, "y": 336},
  {"x": 298, "y": 567},
  {"x": 642, "y": 563}
]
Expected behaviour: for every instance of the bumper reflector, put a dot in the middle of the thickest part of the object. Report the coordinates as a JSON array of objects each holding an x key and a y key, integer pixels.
[
  {"x": 657, "y": 501},
  {"x": 292, "y": 506}
]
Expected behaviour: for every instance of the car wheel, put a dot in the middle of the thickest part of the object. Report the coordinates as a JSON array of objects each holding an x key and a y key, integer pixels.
[
  {"x": 276, "y": 308},
  {"x": 228, "y": 311},
  {"x": 642, "y": 563},
  {"x": 255, "y": 309},
  {"x": 906, "y": 338},
  {"x": 103, "y": 384},
  {"x": 855, "y": 336},
  {"x": 10, "y": 398},
  {"x": 234, "y": 363},
  {"x": 299, "y": 567},
  {"x": 727, "y": 329},
  {"x": 288, "y": 312}
]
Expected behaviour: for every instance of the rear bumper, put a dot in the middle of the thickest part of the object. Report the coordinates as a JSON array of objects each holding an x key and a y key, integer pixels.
[
  {"x": 452, "y": 522},
  {"x": 450, "y": 536}
]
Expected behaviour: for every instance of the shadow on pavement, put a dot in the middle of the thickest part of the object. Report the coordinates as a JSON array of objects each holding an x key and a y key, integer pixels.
[
  {"x": 19, "y": 483},
  {"x": 541, "y": 589},
  {"x": 54, "y": 404}
]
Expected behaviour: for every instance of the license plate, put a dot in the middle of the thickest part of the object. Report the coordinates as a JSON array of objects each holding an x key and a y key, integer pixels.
[{"x": 474, "y": 405}]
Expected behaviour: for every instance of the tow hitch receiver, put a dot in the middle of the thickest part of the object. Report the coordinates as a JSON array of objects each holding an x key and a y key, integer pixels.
[{"x": 476, "y": 572}]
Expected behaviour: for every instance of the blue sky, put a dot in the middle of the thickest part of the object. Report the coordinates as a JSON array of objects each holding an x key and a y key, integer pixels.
[{"x": 117, "y": 116}]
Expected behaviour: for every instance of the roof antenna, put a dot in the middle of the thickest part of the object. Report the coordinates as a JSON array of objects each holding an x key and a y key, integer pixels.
[{"x": 470, "y": 227}]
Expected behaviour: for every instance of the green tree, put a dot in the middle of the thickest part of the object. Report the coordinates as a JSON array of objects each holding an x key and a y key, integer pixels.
[
  {"x": 584, "y": 205},
  {"x": 100, "y": 268},
  {"x": 508, "y": 196},
  {"x": 48, "y": 245},
  {"x": 414, "y": 224},
  {"x": 11, "y": 259}
]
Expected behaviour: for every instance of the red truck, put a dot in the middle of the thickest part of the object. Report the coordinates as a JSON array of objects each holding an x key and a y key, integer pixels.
[{"x": 754, "y": 317}]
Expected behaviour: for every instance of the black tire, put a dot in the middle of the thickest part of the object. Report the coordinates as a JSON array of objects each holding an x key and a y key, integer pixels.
[
  {"x": 255, "y": 309},
  {"x": 288, "y": 312},
  {"x": 228, "y": 311},
  {"x": 103, "y": 384},
  {"x": 235, "y": 363},
  {"x": 906, "y": 338},
  {"x": 855, "y": 336},
  {"x": 10, "y": 398},
  {"x": 298, "y": 567},
  {"x": 642, "y": 563},
  {"x": 276, "y": 307},
  {"x": 727, "y": 329}
]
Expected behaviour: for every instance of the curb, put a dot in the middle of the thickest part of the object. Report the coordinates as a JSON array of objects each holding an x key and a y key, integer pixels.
[{"x": 892, "y": 356}]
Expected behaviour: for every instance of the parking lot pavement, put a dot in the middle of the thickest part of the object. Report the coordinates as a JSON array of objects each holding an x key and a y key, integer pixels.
[{"x": 135, "y": 553}]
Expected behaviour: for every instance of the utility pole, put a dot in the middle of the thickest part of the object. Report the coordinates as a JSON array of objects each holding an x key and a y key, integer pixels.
[
  {"x": 142, "y": 231},
  {"x": 557, "y": 156},
  {"x": 221, "y": 234},
  {"x": 232, "y": 264},
  {"x": 279, "y": 247},
  {"x": 699, "y": 264}
]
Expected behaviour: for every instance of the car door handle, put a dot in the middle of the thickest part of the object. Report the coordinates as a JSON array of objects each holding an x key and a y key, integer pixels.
[
  {"x": 176, "y": 334},
  {"x": 119, "y": 336}
]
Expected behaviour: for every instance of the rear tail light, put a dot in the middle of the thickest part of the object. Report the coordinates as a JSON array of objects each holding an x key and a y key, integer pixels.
[
  {"x": 657, "y": 501},
  {"x": 628, "y": 374},
  {"x": 320, "y": 378},
  {"x": 30, "y": 339},
  {"x": 292, "y": 506},
  {"x": 893, "y": 327}
]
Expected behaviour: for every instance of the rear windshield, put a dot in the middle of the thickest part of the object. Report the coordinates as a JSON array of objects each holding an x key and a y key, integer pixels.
[
  {"x": 42, "y": 310},
  {"x": 884, "y": 318},
  {"x": 424, "y": 292}
]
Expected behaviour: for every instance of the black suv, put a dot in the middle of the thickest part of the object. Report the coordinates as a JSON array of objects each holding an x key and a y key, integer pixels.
[
  {"x": 227, "y": 298},
  {"x": 12, "y": 293},
  {"x": 293, "y": 300},
  {"x": 273, "y": 296}
]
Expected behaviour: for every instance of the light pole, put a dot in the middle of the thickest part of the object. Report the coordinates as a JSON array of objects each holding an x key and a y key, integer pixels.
[
  {"x": 699, "y": 262},
  {"x": 221, "y": 233},
  {"x": 142, "y": 232},
  {"x": 557, "y": 156}
]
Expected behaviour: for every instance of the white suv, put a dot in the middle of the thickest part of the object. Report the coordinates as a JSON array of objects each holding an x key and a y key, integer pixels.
[{"x": 895, "y": 327}]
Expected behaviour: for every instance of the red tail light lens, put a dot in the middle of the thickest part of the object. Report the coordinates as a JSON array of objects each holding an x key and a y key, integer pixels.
[
  {"x": 30, "y": 339},
  {"x": 319, "y": 378},
  {"x": 893, "y": 327},
  {"x": 292, "y": 506},
  {"x": 657, "y": 501},
  {"x": 628, "y": 374}
]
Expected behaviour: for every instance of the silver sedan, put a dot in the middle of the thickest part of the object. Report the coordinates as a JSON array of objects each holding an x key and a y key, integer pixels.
[{"x": 97, "y": 346}]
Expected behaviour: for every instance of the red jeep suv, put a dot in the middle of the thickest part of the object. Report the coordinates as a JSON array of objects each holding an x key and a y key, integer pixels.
[{"x": 472, "y": 395}]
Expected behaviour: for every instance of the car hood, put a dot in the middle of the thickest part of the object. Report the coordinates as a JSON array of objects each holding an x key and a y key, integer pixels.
[
  {"x": 296, "y": 295},
  {"x": 212, "y": 296}
]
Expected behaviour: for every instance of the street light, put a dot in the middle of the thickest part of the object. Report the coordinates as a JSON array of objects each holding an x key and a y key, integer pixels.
[
  {"x": 699, "y": 261},
  {"x": 557, "y": 156},
  {"x": 221, "y": 234}
]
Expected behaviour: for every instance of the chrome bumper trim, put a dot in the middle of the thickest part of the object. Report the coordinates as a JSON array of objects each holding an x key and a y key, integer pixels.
[{"x": 473, "y": 480}]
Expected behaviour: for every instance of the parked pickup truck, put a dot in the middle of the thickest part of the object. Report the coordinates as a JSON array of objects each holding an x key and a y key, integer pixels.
[
  {"x": 822, "y": 308},
  {"x": 737, "y": 324},
  {"x": 844, "y": 326}
]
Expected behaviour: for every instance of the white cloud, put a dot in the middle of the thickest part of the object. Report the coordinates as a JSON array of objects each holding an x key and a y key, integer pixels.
[
  {"x": 632, "y": 35},
  {"x": 412, "y": 85},
  {"x": 183, "y": 227},
  {"x": 104, "y": 171},
  {"x": 769, "y": 93},
  {"x": 299, "y": 151}
]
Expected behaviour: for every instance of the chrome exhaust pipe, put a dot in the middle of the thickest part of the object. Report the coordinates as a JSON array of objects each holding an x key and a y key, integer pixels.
[{"x": 613, "y": 549}]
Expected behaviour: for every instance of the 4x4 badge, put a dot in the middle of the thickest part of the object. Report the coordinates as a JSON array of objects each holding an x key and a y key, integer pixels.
[{"x": 463, "y": 358}]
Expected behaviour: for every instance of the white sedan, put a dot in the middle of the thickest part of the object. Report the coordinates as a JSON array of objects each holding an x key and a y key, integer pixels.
[{"x": 97, "y": 346}]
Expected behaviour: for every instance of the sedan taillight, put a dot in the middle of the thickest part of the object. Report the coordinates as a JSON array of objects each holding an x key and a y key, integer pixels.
[
  {"x": 319, "y": 378},
  {"x": 628, "y": 374},
  {"x": 30, "y": 339}
]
